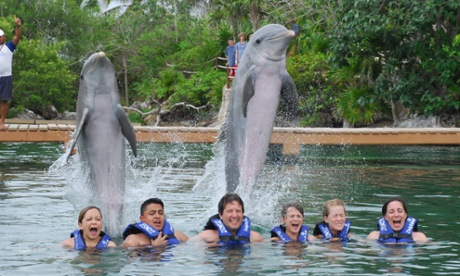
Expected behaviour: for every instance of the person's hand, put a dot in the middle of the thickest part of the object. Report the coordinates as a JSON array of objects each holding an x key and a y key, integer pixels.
[
  {"x": 161, "y": 240},
  {"x": 17, "y": 21}
]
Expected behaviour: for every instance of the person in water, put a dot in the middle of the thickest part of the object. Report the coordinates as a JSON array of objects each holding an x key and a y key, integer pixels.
[
  {"x": 292, "y": 228},
  {"x": 153, "y": 228},
  {"x": 335, "y": 226},
  {"x": 396, "y": 226},
  {"x": 230, "y": 226},
  {"x": 90, "y": 234}
]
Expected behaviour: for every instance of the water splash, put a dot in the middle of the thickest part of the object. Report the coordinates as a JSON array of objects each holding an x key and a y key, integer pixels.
[{"x": 80, "y": 192}]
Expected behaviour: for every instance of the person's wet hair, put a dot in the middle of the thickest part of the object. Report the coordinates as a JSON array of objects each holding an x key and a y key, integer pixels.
[
  {"x": 229, "y": 198},
  {"x": 153, "y": 200},
  {"x": 385, "y": 205},
  {"x": 331, "y": 203},
  {"x": 293, "y": 205},
  {"x": 86, "y": 209}
]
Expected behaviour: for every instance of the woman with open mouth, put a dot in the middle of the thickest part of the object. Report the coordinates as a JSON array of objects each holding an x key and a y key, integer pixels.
[
  {"x": 335, "y": 226},
  {"x": 90, "y": 234},
  {"x": 396, "y": 226},
  {"x": 292, "y": 228}
]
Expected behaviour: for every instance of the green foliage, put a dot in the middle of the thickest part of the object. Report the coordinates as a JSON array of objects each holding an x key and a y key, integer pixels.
[
  {"x": 135, "y": 118},
  {"x": 42, "y": 78},
  {"x": 408, "y": 40},
  {"x": 316, "y": 91},
  {"x": 198, "y": 89},
  {"x": 357, "y": 106},
  {"x": 367, "y": 51}
]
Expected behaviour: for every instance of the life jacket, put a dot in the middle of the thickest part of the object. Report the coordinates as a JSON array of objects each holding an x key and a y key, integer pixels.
[
  {"x": 150, "y": 232},
  {"x": 327, "y": 234},
  {"x": 280, "y": 232},
  {"x": 227, "y": 238},
  {"x": 79, "y": 242},
  {"x": 387, "y": 234}
]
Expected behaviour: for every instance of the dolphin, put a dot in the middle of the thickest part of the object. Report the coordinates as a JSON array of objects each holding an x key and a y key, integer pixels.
[
  {"x": 101, "y": 125},
  {"x": 261, "y": 78}
]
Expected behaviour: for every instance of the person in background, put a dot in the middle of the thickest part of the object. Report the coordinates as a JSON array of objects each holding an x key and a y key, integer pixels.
[
  {"x": 90, "y": 234},
  {"x": 335, "y": 226},
  {"x": 153, "y": 228},
  {"x": 229, "y": 226},
  {"x": 230, "y": 53},
  {"x": 396, "y": 226},
  {"x": 240, "y": 47},
  {"x": 292, "y": 229},
  {"x": 6, "y": 69}
]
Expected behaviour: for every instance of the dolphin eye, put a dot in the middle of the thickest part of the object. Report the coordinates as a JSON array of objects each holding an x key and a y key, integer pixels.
[
  {"x": 81, "y": 77},
  {"x": 258, "y": 41}
]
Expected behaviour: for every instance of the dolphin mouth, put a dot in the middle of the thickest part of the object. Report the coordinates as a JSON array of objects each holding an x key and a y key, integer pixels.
[
  {"x": 271, "y": 57},
  {"x": 94, "y": 62},
  {"x": 288, "y": 33}
]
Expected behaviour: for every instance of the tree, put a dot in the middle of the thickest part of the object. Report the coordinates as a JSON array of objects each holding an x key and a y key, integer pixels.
[
  {"x": 42, "y": 78},
  {"x": 407, "y": 40}
]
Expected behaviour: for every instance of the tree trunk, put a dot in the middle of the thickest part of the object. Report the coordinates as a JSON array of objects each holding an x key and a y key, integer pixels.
[{"x": 254, "y": 13}]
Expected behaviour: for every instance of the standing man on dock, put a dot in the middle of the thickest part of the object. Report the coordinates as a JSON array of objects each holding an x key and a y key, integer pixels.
[{"x": 6, "y": 69}]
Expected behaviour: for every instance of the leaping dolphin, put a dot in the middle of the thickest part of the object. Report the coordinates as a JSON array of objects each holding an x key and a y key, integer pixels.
[
  {"x": 260, "y": 79},
  {"x": 101, "y": 125}
]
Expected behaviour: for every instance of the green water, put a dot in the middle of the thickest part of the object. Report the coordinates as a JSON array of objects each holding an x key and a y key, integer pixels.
[{"x": 37, "y": 211}]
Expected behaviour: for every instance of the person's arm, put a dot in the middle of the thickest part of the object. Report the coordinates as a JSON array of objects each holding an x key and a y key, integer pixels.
[
  {"x": 419, "y": 237},
  {"x": 374, "y": 235},
  {"x": 18, "y": 35},
  {"x": 180, "y": 236},
  {"x": 236, "y": 53},
  {"x": 256, "y": 237},
  {"x": 112, "y": 244}
]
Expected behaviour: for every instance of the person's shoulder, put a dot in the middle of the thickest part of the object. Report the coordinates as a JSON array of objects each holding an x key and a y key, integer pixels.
[
  {"x": 208, "y": 235},
  {"x": 68, "y": 243},
  {"x": 136, "y": 240},
  {"x": 10, "y": 45},
  {"x": 374, "y": 235},
  {"x": 256, "y": 236},
  {"x": 419, "y": 237}
]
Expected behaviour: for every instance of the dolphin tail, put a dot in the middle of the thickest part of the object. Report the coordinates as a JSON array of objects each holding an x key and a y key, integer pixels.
[
  {"x": 84, "y": 119},
  {"x": 289, "y": 94},
  {"x": 126, "y": 128}
]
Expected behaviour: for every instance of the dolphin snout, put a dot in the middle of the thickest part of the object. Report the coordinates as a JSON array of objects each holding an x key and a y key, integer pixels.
[{"x": 101, "y": 54}]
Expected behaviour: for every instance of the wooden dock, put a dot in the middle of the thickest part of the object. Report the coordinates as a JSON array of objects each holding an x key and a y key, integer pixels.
[{"x": 290, "y": 138}]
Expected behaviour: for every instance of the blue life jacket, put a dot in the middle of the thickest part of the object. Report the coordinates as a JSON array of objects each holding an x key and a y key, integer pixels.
[
  {"x": 150, "y": 232},
  {"x": 79, "y": 242},
  {"x": 242, "y": 235},
  {"x": 387, "y": 234},
  {"x": 327, "y": 234},
  {"x": 279, "y": 231}
]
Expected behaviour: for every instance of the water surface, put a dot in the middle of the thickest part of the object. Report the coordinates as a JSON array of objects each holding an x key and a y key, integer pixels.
[{"x": 39, "y": 209}]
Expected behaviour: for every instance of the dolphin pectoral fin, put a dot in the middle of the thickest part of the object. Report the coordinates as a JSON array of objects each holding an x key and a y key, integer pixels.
[
  {"x": 289, "y": 94},
  {"x": 248, "y": 89},
  {"x": 126, "y": 128},
  {"x": 84, "y": 118}
]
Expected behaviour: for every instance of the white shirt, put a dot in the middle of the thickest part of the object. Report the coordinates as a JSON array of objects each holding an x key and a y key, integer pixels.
[{"x": 6, "y": 59}]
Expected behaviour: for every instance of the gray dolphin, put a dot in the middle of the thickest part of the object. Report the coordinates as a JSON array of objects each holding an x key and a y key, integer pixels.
[
  {"x": 260, "y": 79},
  {"x": 101, "y": 125}
]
